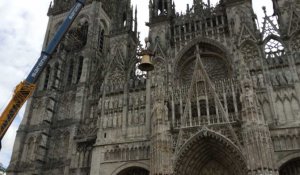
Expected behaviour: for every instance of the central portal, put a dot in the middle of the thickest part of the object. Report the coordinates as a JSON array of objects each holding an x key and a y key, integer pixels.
[
  {"x": 209, "y": 153},
  {"x": 214, "y": 168},
  {"x": 134, "y": 171}
]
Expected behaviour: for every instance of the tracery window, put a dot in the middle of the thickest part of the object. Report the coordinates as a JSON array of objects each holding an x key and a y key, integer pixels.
[
  {"x": 274, "y": 49},
  {"x": 214, "y": 66},
  {"x": 250, "y": 55},
  {"x": 76, "y": 38}
]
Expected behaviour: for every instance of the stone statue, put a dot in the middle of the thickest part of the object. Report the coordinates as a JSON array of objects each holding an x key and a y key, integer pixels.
[
  {"x": 160, "y": 110},
  {"x": 247, "y": 97},
  {"x": 261, "y": 83}
]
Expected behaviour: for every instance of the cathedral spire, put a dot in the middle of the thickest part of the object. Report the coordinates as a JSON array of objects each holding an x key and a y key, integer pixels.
[
  {"x": 269, "y": 25},
  {"x": 135, "y": 21},
  {"x": 197, "y": 2},
  {"x": 275, "y": 7}
]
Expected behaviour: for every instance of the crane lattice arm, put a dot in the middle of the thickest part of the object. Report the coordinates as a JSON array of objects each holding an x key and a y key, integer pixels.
[{"x": 24, "y": 90}]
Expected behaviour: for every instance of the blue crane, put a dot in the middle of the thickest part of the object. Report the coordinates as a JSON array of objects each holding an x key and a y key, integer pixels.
[{"x": 25, "y": 89}]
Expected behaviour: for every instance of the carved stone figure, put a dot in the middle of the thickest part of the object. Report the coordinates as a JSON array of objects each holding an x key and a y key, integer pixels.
[{"x": 261, "y": 82}]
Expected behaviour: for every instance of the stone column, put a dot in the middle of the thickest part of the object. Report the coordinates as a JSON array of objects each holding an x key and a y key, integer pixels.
[
  {"x": 97, "y": 158},
  {"x": 125, "y": 110},
  {"x": 258, "y": 147},
  {"x": 161, "y": 144},
  {"x": 148, "y": 105}
]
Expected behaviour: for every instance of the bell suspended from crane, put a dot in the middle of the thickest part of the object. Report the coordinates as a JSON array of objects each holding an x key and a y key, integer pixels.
[{"x": 146, "y": 63}]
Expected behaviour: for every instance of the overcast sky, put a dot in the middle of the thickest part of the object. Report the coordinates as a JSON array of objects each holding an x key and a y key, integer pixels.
[{"x": 22, "y": 28}]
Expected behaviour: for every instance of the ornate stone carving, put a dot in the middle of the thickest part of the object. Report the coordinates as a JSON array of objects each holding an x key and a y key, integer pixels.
[{"x": 220, "y": 117}]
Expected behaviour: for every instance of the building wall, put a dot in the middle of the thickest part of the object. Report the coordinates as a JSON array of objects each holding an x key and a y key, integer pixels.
[{"x": 223, "y": 97}]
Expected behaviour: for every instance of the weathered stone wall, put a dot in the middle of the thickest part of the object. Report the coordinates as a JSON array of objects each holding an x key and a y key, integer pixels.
[{"x": 223, "y": 97}]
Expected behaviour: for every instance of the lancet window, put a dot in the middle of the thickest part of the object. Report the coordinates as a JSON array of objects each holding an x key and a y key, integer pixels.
[
  {"x": 162, "y": 7},
  {"x": 79, "y": 72},
  {"x": 101, "y": 40},
  {"x": 55, "y": 74},
  {"x": 70, "y": 73},
  {"x": 30, "y": 146},
  {"x": 47, "y": 76}
]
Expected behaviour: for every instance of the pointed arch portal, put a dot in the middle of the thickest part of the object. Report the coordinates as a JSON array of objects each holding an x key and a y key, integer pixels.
[
  {"x": 210, "y": 153},
  {"x": 134, "y": 171},
  {"x": 292, "y": 167}
]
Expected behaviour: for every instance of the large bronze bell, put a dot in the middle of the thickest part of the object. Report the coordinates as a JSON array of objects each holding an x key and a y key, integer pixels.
[{"x": 146, "y": 64}]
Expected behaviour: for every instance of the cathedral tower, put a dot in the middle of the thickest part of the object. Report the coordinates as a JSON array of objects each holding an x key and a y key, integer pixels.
[{"x": 222, "y": 99}]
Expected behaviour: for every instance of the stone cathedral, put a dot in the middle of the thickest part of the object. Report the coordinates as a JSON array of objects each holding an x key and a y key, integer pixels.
[{"x": 223, "y": 98}]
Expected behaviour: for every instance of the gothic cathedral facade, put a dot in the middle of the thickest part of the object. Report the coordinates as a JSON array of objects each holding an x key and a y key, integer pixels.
[{"x": 223, "y": 98}]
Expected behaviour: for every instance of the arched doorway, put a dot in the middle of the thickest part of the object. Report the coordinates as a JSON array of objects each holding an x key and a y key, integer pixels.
[
  {"x": 134, "y": 171},
  {"x": 209, "y": 153},
  {"x": 292, "y": 167}
]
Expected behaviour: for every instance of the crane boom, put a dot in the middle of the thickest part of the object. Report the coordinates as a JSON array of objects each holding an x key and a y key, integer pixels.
[{"x": 24, "y": 90}]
